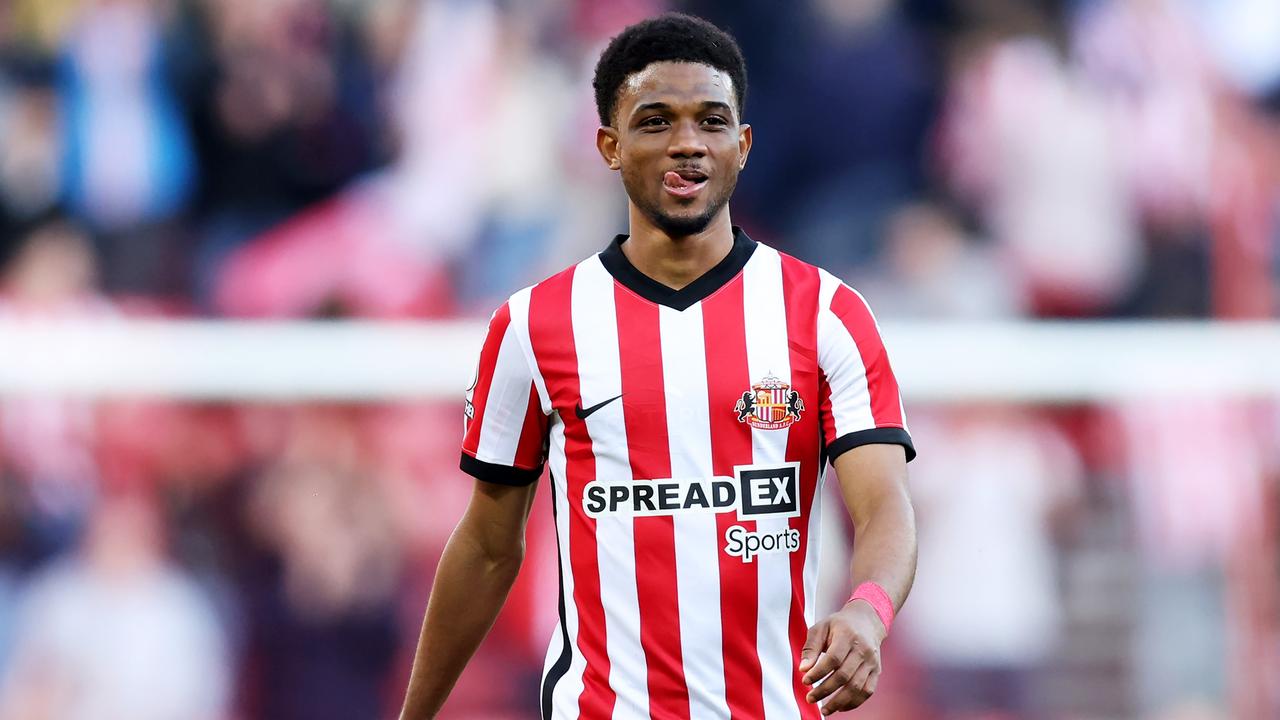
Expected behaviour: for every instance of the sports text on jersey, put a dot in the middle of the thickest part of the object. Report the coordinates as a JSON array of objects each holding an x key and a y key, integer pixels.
[
  {"x": 746, "y": 544},
  {"x": 754, "y": 491}
]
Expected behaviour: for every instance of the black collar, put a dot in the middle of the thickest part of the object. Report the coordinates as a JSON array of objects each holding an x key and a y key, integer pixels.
[{"x": 712, "y": 280}]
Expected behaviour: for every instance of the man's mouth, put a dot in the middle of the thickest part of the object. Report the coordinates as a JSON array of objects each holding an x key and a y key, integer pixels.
[{"x": 684, "y": 183}]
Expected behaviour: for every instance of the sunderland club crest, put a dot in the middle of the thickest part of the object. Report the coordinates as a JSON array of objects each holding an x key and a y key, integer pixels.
[{"x": 770, "y": 404}]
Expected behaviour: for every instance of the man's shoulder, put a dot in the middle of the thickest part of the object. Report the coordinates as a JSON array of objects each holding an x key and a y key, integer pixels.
[
  {"x": 565, "y": 275},
  {"x": 558, "y": 282},
  {"x": 797, "y": 268},
  {"x": 834, "y": 293}
]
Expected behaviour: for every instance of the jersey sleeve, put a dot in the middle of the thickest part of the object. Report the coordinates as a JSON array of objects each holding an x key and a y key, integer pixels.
[
  {"x": 860, "y": 403},
  {"x": 505, "y": 431}
]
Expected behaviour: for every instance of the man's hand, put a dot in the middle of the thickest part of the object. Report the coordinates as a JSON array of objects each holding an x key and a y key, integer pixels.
[{"x": 844, "y": 649}]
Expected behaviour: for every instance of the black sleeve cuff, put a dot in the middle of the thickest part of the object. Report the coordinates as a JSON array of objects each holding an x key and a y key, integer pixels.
[
  {"x": 500, "y": 474},
  {"x": 884, "y": 435}
]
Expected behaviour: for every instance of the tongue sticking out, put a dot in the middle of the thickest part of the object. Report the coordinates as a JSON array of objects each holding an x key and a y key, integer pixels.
[{"x": 673, "y": 180}]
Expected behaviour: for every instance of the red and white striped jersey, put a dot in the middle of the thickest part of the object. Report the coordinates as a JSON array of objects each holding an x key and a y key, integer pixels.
[{"x": 686, "y": 433}]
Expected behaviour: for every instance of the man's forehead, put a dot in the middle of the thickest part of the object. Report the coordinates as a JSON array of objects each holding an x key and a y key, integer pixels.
[{"x": 679, "y": 82}]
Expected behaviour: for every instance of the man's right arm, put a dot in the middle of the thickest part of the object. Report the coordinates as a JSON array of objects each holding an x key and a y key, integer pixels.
[{"x": 477, "y": 569}]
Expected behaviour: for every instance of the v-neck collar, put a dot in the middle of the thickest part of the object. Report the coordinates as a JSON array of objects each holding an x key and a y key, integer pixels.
[{"x": 616, "y": 262}]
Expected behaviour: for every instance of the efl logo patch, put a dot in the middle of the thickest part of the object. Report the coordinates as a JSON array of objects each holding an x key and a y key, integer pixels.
[
  {"x": 770, "y": 404},
  {"x": 469, "y": 409}
]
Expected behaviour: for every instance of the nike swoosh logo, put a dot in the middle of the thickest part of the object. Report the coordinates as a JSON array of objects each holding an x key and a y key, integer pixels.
[{"x": 584, "y": 413}]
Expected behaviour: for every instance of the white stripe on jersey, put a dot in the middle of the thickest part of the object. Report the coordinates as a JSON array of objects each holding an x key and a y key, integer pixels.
[
  {"x": 503, "y": 406},
  {"x": 813, "y": 552},
  {"x": 768, "y": 352},
  {"x": 697, "y": 542},
  {"x": 518, "y": 306},
  {"x": 595, "y": 334},
  {"x": 564, "y": 699},
  {"x": 902, "y": 408},
  {"x": 839, "y": 355}
]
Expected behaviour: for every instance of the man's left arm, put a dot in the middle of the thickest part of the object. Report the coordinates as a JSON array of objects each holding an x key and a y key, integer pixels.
[{"x": 844, "y": 648}]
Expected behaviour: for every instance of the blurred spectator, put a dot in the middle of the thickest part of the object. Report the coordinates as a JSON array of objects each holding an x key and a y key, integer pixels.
[
  {"x": 1195, "y": 472},
  {"x": 347, "y": 257},
  {"x": 48, "y": 443},
  {"x": 322, "y": 606},
  {"x": 840, "y": 119},
  {"x": 456, "y": 215},
  {"x": 54, "y": 274},
  {"x": 129, "y": 157},
  {"x": 985, "y": 612},
  {"x": 1208, "y": 209},
  {"x": 117, "y": 631},
  {"x": 284, "y": 115},
  {"x": 31, "y": 155},
  {"x": 1026, "y": 140},
  {"x": 1157, "y": 87},
  {"x": 933, "y": 269},
  {"x": 129, "y": 165}
]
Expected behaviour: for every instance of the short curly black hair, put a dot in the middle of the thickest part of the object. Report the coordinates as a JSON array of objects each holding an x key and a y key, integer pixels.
[{"x": 668, "y": 37}]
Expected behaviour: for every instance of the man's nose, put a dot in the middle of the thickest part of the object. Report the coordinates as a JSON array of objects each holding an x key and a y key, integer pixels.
[{"x": 686, "y": 141}]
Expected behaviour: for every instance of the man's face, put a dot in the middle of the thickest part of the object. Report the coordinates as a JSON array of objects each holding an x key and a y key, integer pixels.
[{"x": 678, "y": 141}]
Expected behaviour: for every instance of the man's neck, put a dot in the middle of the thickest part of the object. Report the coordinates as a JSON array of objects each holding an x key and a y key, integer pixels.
[{"x": 676, "y": 262}]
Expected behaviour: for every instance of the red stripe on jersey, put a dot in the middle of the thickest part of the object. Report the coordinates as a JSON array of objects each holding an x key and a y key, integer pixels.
[
  {"x": 531, "y": 449},
  {"x": 484, "y": 377},
  {"x": 644, "y": 410},
  {"x": 551, "y": 335},
  {"x": 800, "y": 286},
  {"x": 728, "y": 377},
  {"x": 881, "y": 384}
]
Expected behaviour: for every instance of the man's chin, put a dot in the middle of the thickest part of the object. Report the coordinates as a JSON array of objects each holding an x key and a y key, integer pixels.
[{"x": 682, "y": 225}]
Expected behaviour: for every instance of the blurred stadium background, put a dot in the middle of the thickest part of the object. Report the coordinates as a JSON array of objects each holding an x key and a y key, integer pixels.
[{"x": 247, "y": 246}]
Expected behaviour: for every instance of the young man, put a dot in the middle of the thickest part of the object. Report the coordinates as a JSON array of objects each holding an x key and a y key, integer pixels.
[{"x": 686, "y": 386}]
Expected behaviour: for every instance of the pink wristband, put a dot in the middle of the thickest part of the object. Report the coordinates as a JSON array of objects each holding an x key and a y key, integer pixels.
[{"x": 878, "y": 599}]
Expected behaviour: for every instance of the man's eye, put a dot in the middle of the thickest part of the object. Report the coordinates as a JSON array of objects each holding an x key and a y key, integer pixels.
[
  {"x": 716, "y": 120},
  {"x": 653, "y": 122}
]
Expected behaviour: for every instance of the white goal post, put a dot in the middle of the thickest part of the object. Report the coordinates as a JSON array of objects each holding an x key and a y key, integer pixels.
[{"x": 1056, "y": 362}]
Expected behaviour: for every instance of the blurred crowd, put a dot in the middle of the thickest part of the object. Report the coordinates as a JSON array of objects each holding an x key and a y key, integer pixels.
[{"x": 953, "y": 159}]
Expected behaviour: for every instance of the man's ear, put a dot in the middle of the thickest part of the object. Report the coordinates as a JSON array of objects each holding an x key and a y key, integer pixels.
[
  {"x": 607, "y": 144},
  {"x": 744, "y": 145}
]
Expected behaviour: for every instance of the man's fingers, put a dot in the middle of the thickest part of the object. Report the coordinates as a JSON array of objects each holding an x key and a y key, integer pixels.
[
  {"x": 847, "y": 665},
  {"x": 873, "y": 681},
  {"x": 826, "y": 665},
  {"x": 851, "y": 684},
  {"x": 840, "y": 676},
  {"x": 861, "y": 675},
  {"x": 813, "y": 645},
  {"x": 832, "y": 657},
  {"x": 848, "y": 698},
  {"x": 856, "y": 691}
]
